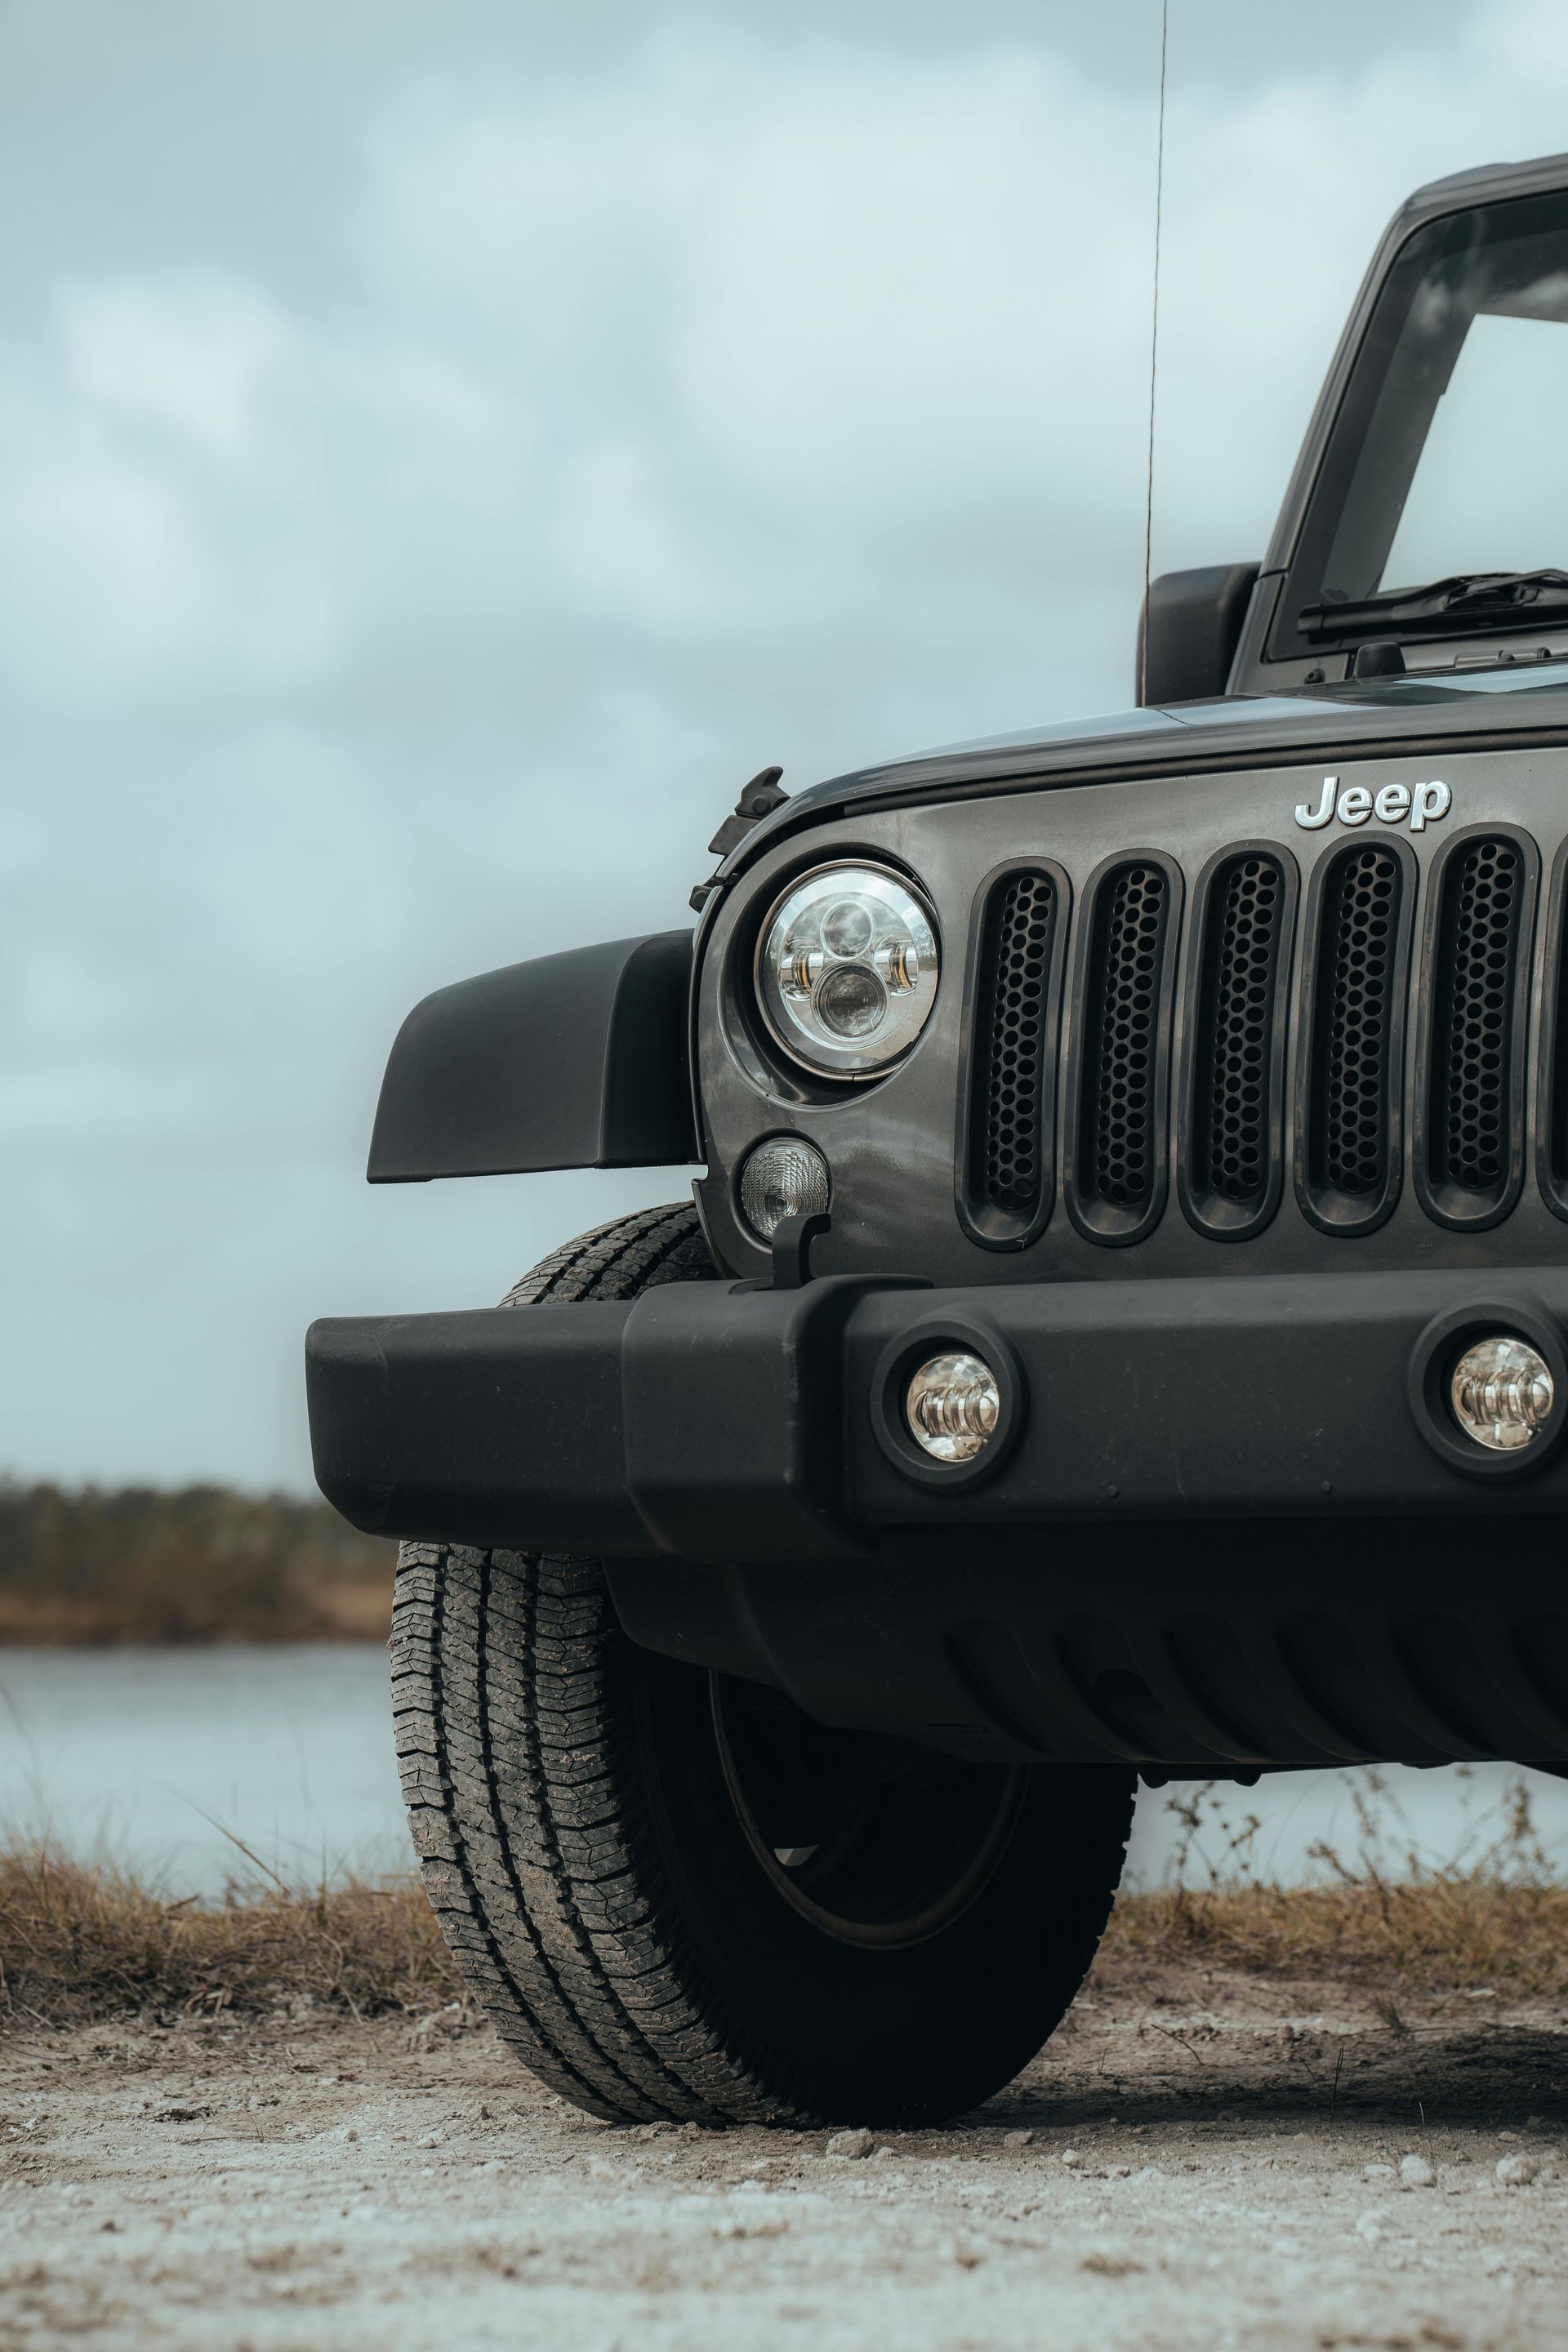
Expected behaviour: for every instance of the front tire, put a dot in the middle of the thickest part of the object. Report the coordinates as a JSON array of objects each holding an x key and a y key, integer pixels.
[{"x": 679, "y": 1897}]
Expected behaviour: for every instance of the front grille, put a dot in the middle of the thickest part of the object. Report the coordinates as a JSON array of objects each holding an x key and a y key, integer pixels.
[
  {"x": 1471, "y": 1132},
  {"x": 1120, "y": 1154},
  {"x": 1010, "y": 1176},
  {"x": 1231, "y": 1163},
  {"x": 1349, "y": 1118},
  {"x": 1352, "y": 1092}
]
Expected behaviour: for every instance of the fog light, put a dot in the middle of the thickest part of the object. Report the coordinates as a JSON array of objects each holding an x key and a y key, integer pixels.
[
  {"x": 785, "y": 1178},
  {"x": 954, "y": 1405},
  {"x": 1502, "y": 1394}
]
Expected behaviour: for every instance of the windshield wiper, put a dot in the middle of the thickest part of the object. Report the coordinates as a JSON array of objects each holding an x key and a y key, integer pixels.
[{"x": 1471, "y": 599}]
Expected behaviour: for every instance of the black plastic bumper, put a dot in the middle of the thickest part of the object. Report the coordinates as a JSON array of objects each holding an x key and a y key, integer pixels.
[{"x": 716, "y": 1423}]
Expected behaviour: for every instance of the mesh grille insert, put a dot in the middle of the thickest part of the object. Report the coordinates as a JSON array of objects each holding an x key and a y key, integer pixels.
[
  {"x": 1556, "y": 1074},
  {"x": 1241, "y": 952},
  {"x": 1470, "y": 1131},
  {"x": 1120, "y": 1161},
  {"x": 1349, "y": 1148},
  {"x": 1007, "y": 1171}
]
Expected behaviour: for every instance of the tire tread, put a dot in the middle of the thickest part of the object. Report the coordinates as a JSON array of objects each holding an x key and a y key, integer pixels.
[{"x": 509, "y": 1701}]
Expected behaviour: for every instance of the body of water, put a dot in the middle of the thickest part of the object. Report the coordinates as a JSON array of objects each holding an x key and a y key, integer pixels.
[
  {"x": 173, "y": 1761},
  {"x": 164, "y": 1759}
]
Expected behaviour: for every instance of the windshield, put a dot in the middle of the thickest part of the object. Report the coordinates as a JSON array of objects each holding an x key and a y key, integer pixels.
[{"x": 1447, "y": 459}]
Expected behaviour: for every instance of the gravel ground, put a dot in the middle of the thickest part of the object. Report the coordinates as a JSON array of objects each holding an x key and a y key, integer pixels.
[{"x": 1198, "y": 2160}]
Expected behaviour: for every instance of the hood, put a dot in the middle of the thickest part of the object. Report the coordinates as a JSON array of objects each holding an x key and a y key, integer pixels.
[{"x": 1424, "y": 713}]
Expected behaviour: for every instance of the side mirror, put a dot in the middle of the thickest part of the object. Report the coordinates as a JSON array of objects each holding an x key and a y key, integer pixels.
[{"x": 1188, "y": 633}]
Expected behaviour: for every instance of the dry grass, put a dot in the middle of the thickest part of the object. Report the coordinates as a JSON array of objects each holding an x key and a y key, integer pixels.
[
  {"x": 80, "y": 1941},
  {"x": 1438, "y": 1933},
  {"x": 1495, "y": 1915}
]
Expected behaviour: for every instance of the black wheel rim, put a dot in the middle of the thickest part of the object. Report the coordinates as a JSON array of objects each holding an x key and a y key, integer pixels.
[{"x": 873, "y": 1839}]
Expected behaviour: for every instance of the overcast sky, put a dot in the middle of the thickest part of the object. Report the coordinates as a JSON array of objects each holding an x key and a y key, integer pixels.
[{"x": 445, "y": 451}]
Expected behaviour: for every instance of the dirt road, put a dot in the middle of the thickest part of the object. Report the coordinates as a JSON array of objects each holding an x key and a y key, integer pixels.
[{"x": 1197, "y": 2161}]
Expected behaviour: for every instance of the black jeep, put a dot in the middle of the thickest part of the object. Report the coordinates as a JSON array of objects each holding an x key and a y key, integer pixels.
[{"x": 1119, "y": 1331}]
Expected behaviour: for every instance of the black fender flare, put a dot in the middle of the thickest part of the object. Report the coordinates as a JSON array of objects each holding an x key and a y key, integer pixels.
[{"x": 576, "y": 1060}]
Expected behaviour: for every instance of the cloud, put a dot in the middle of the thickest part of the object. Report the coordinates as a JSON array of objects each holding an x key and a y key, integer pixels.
[
  {"x": 618, "y": 541},
  {"x": 193, "y": 356},
  {"x": 430, "y": 491}
]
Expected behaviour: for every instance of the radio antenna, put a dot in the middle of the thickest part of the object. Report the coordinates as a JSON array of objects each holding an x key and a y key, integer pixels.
[{"x": 1153, "y": 355}]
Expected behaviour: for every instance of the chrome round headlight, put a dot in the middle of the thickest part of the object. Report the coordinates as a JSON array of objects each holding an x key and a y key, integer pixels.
[{"x": 847, "y": 970}]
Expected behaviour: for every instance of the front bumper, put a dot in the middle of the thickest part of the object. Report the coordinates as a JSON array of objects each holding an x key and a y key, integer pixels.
[{"x": 721, "y": 1423}]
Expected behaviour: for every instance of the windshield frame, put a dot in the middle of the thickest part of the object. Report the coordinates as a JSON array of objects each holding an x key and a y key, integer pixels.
[{"x": 1453, "y": 233}]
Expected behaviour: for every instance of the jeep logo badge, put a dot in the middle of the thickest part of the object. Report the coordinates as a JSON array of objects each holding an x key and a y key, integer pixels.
[{"x": 1422, "y": 804}]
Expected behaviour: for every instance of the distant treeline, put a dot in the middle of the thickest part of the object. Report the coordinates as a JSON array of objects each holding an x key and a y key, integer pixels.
[{"x": 194, "y": 1564}]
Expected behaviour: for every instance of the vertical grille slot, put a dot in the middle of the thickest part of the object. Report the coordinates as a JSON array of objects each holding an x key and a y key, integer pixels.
[
  {"x": 1552, "y": 1141},
  {"x": 1470, "y": 1130},
  {"x": 1009, "y": 1174},
  {"x": 1350, "y": 1121},
  {"x": 1473, "y": 1028},
  {"x": 1123, "y": 1079},
  {"x": 1127, "y": 988},
  {"x": 1231, "y": 1172}
]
